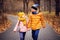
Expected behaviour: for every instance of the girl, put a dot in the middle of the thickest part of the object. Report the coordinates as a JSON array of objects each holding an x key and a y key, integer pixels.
[{"x": 21, "y": 25}]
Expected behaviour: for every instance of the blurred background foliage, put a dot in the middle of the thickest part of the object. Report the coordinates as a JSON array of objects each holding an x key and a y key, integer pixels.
[{"x": 50, "y": 8}]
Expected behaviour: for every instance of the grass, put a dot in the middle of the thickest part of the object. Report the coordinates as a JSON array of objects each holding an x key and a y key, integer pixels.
[
  {"x": 53, "y": 20},
  {"x": 5, "y": 26}
]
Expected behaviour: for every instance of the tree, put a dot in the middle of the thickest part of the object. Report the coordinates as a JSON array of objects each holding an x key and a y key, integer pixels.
[
  {"x": 1, "y": 10},
  {"x": 57, "y": 7},
  {"x": 27, "y": 2},
  {"x": 37, "y": 2},
  {"x": 1, "y": 6},
  {"x": 49, "y": 6},
  {"x": 25, "y": 5},
  {"x": 3, "y": 18}
]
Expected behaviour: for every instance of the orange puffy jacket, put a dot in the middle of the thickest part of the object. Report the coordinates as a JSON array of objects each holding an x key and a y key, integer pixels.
[{"x": 36, "y": 21}]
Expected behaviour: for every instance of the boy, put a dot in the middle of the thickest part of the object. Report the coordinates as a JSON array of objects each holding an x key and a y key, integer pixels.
[{"x": 36, "y": 21}]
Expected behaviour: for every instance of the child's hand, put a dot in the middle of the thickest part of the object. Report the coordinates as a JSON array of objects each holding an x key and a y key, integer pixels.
[
  {"x": 43, "y": 26},
  {"x": 28, "y": 29},
  {"x": 14, "y": 30}
]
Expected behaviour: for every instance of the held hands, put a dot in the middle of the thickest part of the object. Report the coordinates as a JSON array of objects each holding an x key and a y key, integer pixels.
[
  {"x": 28, "y": 29},
  {"x": 14, "y": 30},
  {"x": 43, "y": 26}
]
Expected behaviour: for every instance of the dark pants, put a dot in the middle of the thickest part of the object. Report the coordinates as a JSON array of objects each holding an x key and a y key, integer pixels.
[
  {"x": 35, "y": 34},
  {"x": 22, "y": 35}
]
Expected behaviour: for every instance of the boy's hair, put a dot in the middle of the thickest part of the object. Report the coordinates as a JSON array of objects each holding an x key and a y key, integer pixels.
[{"x": 35, "y": 6}]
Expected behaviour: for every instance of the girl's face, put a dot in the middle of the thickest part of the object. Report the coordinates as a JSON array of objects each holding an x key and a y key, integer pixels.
[{"x": 22, "y": 16}]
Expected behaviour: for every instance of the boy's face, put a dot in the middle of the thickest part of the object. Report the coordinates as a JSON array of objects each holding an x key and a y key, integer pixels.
[{"x": 33, "y": 10}]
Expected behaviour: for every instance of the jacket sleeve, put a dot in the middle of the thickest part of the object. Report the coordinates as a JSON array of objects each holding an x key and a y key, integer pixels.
[
  {"x": 16, "y": 26},
  {"x": 43, "y": 22},
  {"x": 29, "y": 22}
]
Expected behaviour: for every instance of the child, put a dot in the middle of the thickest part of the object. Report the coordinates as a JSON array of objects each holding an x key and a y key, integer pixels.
[
  {"x": 36, "y": 21},
  {"x": 21, "y": 25}
]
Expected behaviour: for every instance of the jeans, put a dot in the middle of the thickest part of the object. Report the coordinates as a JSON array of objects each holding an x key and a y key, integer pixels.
[
  {"x": 35, "y": 34},
  {"x": 22, "y": 35}
]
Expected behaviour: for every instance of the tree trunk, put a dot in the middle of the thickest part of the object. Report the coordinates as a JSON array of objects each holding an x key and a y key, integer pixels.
[
  {"x": 1, "y": 10},
  {"x": 57, "y": 7},
  {"x": 2, "y": 17},
  {"x": 24, "y": 5},
  {"x": 27, "y": 2},
  {"x": 49, "y": 6}
]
